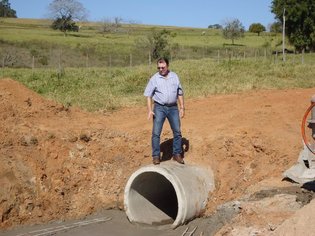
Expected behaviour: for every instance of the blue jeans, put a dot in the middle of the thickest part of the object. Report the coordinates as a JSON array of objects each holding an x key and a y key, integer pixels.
[{"x": 172, "y": 115}]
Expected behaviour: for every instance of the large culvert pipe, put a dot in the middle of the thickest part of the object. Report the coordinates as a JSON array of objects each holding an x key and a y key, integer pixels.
[{"x": 169, "y": 193}]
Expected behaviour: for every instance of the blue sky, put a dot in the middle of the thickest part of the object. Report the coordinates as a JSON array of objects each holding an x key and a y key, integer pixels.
[{"x": 197, "y": 13}]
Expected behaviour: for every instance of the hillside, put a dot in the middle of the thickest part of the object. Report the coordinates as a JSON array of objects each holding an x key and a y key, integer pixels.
[{"x": 32, "y": 43}]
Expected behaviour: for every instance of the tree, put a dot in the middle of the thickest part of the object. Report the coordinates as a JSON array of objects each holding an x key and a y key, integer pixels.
[
  {"x": 111, "y": 26},
  {"x": 233, "y": 29},
  {"x": 65, "y": 13},
  {"x": 158, "y": 43},
  {"x": 5, "y": 9},
  {"x": 299, "y": 21},
  {"x": 215, "y": 26},
  {"x": 276, "y": 27},
  {"x": 65, "y": 24},
  {"x": 256, "y": 28}
]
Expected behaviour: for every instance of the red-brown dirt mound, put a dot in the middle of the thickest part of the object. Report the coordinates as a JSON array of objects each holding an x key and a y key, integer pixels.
[{"x": 59, "y": 163}]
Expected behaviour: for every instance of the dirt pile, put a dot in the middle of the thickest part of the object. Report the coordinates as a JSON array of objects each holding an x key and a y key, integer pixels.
[{"x": 59, "y": 162}]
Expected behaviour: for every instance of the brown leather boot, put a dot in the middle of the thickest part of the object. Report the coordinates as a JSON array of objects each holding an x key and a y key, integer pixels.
[
  {"x": 156, "y": 160},
  {"x": 178, "y": 158}
]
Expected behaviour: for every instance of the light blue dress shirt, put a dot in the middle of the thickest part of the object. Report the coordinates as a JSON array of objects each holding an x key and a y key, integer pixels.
[{"x": 164, "y": 90}]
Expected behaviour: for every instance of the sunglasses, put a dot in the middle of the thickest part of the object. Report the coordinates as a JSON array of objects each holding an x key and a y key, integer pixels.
[{"x": 161, "y": 68}]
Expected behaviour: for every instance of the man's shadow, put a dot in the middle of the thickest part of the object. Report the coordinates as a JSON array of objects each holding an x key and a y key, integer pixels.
[{"x": 166, "y": 148}]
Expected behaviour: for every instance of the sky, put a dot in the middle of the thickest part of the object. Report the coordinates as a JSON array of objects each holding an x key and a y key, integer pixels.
[{"x": 196, "y": 13}]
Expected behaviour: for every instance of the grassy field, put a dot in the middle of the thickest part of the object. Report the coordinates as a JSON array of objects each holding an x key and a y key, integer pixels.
[
  {"x": 98, "y": 86},
  {"x": 12, "y": 29},
  {"x": 25, "y": 38},
  {"x": 103, "y": 89}
]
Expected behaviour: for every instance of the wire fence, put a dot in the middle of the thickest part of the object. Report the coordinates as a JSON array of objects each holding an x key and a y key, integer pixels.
[{"x": 62, "y": 58}]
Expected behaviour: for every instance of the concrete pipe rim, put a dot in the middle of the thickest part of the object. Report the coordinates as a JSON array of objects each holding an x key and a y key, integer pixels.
[
  {"x": 177, "y": 185},
  {"x": 186, "y": 186}
]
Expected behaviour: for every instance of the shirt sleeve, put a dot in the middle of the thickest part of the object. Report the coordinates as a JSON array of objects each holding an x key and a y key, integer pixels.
[
  {"x": 180, "y": 91},
  {"x": 149, "y": 90}
]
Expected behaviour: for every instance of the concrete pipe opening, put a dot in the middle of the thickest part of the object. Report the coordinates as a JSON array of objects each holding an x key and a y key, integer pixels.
[{"x": 167, "y": 194}]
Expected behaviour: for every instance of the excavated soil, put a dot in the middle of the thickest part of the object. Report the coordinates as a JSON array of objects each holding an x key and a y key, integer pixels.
[{"x": 64, "y": 163}]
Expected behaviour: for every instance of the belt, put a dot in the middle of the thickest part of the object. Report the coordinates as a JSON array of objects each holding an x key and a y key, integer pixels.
[{"x": 166, "y": 105}]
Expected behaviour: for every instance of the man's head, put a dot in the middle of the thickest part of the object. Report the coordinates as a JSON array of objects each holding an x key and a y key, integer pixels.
[{"x": 162, "y": 66}]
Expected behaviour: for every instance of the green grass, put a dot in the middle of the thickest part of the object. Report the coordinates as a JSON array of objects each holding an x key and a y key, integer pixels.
[
  {"x": 92, "y": 70},
  {"x": 104, "y": 89},
  {"x": 193, "y": 43}
]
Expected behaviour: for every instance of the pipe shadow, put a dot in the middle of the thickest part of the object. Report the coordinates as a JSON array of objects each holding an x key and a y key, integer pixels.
[
  {"x": 310, "y": 186},
  {"x": 166, "y": 148}
]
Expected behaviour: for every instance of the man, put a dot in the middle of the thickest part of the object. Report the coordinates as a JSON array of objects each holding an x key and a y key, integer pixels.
[{"x": 165, "y": 90}]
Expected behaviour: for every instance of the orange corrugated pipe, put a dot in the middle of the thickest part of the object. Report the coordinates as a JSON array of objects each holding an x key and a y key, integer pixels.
[{"x": 303, "y": 127}]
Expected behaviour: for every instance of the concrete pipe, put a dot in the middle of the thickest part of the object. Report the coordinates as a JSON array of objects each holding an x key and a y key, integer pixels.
[{"x": 169, "y": 193}]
